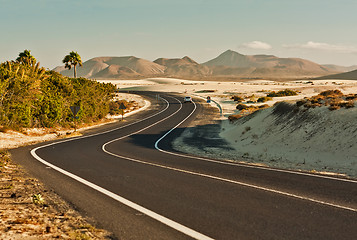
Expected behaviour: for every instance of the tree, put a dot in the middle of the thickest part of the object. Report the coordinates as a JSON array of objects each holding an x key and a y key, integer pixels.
[
  {"x": 26, "y": 58},
  {"x": 72, "y": 59}
]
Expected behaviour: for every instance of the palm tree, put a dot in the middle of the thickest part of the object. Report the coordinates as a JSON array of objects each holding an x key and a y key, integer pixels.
[
  {"x": 72, "y": 59},
  {"x": 26, "y": 58}
]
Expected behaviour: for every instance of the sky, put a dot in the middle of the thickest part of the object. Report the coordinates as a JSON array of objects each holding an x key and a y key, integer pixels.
[{"x": 322, "y": 31}]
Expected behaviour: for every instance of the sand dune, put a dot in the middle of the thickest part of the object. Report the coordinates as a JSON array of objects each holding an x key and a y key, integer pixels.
[{"x": 282, "y": 136}]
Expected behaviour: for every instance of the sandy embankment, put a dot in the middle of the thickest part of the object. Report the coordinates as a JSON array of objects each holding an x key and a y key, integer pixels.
[
  {"x": 12, "y": 139},
  {"x": 314, "y": 139}
]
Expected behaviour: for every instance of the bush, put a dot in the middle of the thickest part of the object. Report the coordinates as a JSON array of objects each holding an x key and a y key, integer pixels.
[
  {"x": 241, "y": 106},
  {"x": 332, "y": 98},
  {"x": 237, "y": 98},
  {"x": 264, "y": 99},
  {"x": 34, "y": 97},
  {"x": 234, "y": 117},
  {"x": 206, "y": 91},
  {"x": 331, "y": 93},
  {"x": 283, "y": 93}
]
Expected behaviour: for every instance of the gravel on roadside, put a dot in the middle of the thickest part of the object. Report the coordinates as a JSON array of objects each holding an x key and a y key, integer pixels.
[{"x": 28, "y": 210}]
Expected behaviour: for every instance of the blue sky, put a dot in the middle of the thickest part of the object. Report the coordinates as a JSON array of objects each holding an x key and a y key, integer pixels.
[{"x": 322, "y": 31}]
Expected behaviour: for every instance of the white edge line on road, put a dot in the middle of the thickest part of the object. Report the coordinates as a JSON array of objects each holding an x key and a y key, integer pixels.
[
  {"x": 241, "y": 183},
  {"x": 218, "y": 178},
  {"x": 124, "y": 201},
  {"x": 214, "y": 177},
  {"x": 239, "y": 164},
  {"x": 160, "y": 218},
  {"x": 234, "y": 182}
]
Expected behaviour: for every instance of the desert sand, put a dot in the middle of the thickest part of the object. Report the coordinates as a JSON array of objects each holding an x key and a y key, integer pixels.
[{"x": 326, "y": 143}]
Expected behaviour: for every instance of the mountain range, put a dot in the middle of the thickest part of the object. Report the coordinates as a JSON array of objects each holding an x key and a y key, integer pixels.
[{"x": 229, "y": 64}]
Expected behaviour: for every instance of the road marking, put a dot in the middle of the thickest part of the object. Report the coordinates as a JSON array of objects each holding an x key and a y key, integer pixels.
[
  {"x": 233, "y": 181},
  {"x": 177, "y": 226},
  {"x": 152, "y": 214},
  {"x": 160, "y": 218},
  {"x": 239, "y": 164},
  {"x": 219, "y": 178}
]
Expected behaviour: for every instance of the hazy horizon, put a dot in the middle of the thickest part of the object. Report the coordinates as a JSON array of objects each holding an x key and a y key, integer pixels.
[{"x": 316, "y": 30}]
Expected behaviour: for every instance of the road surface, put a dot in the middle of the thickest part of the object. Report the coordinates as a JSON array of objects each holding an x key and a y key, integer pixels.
[{"x": 128, "y": 179}]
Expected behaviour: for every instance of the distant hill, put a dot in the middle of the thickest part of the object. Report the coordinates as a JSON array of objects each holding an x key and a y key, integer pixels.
[
  {"x": 228, "y": 65},
  {"x": 115, "y": 67},
  {"x": 338, "y": 68},
  {"x": 183, "y": 67},
  {"x": 233, "y": 63},
  {"x": 352, "y": 75}
]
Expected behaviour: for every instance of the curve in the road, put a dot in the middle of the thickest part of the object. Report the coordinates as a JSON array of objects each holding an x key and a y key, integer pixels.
[{"x": 152, "y": 214}]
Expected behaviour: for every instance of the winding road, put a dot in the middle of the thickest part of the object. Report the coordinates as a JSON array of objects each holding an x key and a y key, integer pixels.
[{"x": 131, "y": 182}]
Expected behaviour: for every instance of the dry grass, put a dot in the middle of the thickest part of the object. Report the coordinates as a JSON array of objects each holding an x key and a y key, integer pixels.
[
  {"x": 30, "y": 211},
  {"x": 246, "y": 110},
  {"x": 333, "y": 99}
]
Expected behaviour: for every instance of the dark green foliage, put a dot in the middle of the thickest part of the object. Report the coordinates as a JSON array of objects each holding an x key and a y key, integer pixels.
[
  {"x": 264, "y": 99},
  {"x": 237, "y": 98},
  {"x": 282, "y": 93},
  {"x": 242, "y": 106},
  {"x": 33, "y": 97}
]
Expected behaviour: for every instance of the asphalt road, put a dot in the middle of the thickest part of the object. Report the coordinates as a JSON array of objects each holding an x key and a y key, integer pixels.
[{"x": 128, "y": 179}]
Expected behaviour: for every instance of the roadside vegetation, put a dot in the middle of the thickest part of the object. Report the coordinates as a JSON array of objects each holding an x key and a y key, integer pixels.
[
  {"x": 31, "y": 96},
  {"x": 282, "y": 93},
  {"x": 333, "y": 99}
]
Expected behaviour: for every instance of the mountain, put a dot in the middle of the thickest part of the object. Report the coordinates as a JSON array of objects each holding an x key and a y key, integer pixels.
[
  {"x": 338, "y": 68},
  {"x": 352, "y": 75},
  {"x": 183, "y": 67},
  {"x": 228, "y": 65},
  {"x": 231, "y": 63},
  {"x": 115, "y": 67}
]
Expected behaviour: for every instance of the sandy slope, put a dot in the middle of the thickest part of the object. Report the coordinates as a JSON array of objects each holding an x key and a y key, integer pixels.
[{"x": 314, "y": 139}]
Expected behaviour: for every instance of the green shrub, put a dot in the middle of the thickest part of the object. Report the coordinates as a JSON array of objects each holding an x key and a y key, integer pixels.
[
  {"x": 242, "y": 106},
  {"x": 237, "y": 98},
  {"x": 34, "y": 97},
  {"x": 282, "y": 93},
  {"x": 264, "y": 99},
  {"x": 331, "y": 93}
]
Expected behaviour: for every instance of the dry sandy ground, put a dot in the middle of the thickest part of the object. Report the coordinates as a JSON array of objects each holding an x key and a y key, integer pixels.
[
  {"x": 24, "y": 218},
  {"x": 325, "y": 143}
]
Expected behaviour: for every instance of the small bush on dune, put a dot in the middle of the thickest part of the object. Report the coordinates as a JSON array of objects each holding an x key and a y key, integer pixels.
[
  {"x": 334, "y": 107},
  {"x": 334, "y": 99},
  {"x": 351, "y": 97},
  {"x": 331, "y": 93},
  {"x": 237, "y": 98},
  {"x": 263, "y": 106},
  {"x": 282, "y": 93},
  {"x": 264, "y": 99},
  {"x": 242, "y": 106},
  {"x": 206, "y": 91},
  {"x": 234, "y": 117}
]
